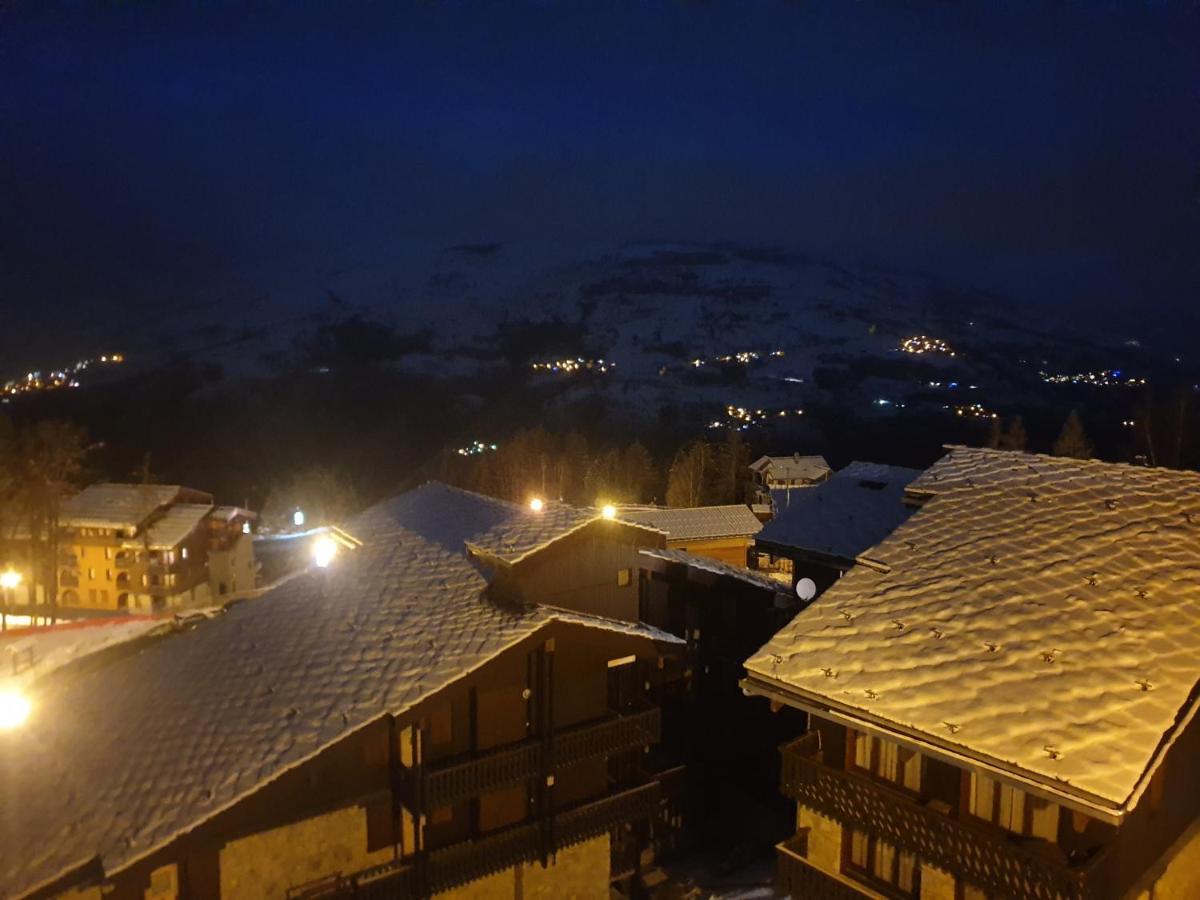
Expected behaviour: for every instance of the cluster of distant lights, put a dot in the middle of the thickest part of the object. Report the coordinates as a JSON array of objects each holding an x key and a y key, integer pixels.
[
  {"x": 574, "y": 366},
  {"x": 1103, "y": 378},
  {"x": 975, "y": 411},
  {"x": 741, "y": 418},
  {"x": 922, "y": 343},
  {"x": 476, "y": 448},
  {"x": 59, "y": 378},
  {"x": 743, "y": 357}
]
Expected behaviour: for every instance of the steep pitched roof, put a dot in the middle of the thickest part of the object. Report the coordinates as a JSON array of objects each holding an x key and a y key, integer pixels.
[
  {"x": 1040, "y": 615},
  {"x": 844, "y": 516},
  {"x": 176, "y": 522},
  {"x": 116, "y": 505},
  {"x": 791, "y": 468},
  {"x": 454, "y": 518},
  {"x": 716, "y": 567},
  {"x": 695, "y": 522},
  {"x": 211, "y": 715}
]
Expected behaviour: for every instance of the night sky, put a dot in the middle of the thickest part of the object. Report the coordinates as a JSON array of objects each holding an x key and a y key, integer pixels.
[{"x": 157, "y": 153}]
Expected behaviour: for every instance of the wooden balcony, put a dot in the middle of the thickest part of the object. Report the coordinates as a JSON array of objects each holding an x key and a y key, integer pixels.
[
  {"x": 460, "y": 778},
  {"x": 460, "y": 863},
  {"x": 125, "y": 559},
  {"x": 795, "y": 878},
  {"x": 990, "y": 858}
]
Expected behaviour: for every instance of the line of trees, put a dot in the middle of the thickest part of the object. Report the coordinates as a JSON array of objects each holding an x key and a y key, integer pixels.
[
  {"x": 535, "y": 462},
  {"x": 40, "y": 463}
]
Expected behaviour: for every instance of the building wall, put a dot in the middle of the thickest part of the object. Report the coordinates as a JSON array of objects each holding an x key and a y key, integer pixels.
[
  {"x": 581, "y": 872},
  {"x": 824, "y": 839},
  {"x": 232, "y": 571},
  {"x": 593, "y": 570},
  {"x": 267, "y": 864}
]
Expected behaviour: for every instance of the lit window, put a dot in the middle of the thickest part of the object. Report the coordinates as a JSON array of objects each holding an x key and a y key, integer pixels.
[
  {"x": 184, "y": 552},
  {"x": 624, "y": 577}
]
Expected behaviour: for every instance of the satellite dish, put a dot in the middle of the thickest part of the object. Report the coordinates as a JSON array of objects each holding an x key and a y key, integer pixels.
[{"x": 806, "y": 589}]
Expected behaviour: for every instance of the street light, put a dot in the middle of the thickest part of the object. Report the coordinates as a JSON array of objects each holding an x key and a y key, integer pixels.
[
  {"x": 608, "y": 511},
  {"x": 324, "y": 550},
  {"x": 536, "y": 504},
  {"x": 14, "y": 710}
]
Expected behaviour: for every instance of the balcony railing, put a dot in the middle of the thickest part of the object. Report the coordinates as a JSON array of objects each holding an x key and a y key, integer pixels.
[
  {"x": 467, "y": 861},
  {"x": 795, "y": 878},
  {"x": 125, "y": 560},
  {"x": 68, "y": 579},
  {"x": 983, "y": 856},
  {"x": 67, "y": 558},
  {"x": 461, "y": 778}
]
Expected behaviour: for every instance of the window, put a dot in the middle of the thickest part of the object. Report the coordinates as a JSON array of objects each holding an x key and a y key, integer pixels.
[
  {"x": 108, "y": 574},
  {"x": 887, "y": 760},
  {"x": 183, "y": 552},
  {"x": 108, "y": 552},
  {"x": 876, "y": 863},
  {"x": 1011, "y": 808},
  {"x": 624, "y": 577},
  {"x": 91, "y": 574}
]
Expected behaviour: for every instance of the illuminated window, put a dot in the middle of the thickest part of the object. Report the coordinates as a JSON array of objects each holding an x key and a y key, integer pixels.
[
  {"x": 624, "y": 577},
  {"x": 876, "y": 863},
  {"x": 1012, "y": 809},
  {"x": 184, "y": 552},
  {"x": 887, "y": 760}
]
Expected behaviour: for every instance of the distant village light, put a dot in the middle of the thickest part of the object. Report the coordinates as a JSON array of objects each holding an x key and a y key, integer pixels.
[
  {"x": 536, "y": 504},
  {"x": 324, "y": 550},
  {"x": 14, "y": 710}
]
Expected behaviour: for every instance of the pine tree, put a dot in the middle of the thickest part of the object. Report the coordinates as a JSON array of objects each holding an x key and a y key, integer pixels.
[
  {"x": 1072, "y": 440},
  {"x": 1014, "y": 437}
]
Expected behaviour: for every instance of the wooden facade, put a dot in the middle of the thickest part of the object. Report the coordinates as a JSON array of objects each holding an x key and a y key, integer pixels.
[
  {"x": 877, "y": 817},
  {"x": 541, "y": 750}
]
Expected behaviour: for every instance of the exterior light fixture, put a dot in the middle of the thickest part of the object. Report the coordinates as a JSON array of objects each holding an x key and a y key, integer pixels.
[
  {"x": 10, "y": 579},
  {"x": 324, "y": 550},
  {"x": 537, "y": 504},
  {"x": 14, "y": 710},
  {"x": 608, "y": 511},
  {"x": 298, "y": 518}
]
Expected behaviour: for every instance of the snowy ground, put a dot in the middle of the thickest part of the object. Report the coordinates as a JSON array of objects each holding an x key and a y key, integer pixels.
[{"x": 29, "y": 654}]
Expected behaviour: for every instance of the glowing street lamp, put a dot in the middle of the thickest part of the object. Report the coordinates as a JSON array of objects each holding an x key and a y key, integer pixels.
[
  {"x": 14, "y": 710},
  {"x": 298, "y": 518},
  {"x": 10, "y": 579},
  {"x": 608, "y": 511},
  {"x": 537, "y": 504},
  {"x": 324, "y": 550}
]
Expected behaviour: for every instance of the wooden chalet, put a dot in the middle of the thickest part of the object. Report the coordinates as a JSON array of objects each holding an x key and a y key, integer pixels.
[
  {"x": 1004, "y": 704},
  {"x": 404, "y": 722}
]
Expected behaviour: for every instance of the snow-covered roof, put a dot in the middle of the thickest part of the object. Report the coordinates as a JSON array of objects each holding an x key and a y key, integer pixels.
[
  {"x": 694, "y": 523},
  {"x": 1040, "y": 615},
  {"x": 116, "y": 505},
  {"x": 176, "y": 522},
  {"x": 228, "y": 513},
  {"x": 792, "y": 468},
  {"x": 716, "y": 567},
  {"x": 455, "y": 518},
  {"x": 844, "y": 516},
  {"x": 214, "y": 713}
]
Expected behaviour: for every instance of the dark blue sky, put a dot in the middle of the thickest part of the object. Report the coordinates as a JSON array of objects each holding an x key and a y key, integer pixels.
[{"x": 160, "y": 150}]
